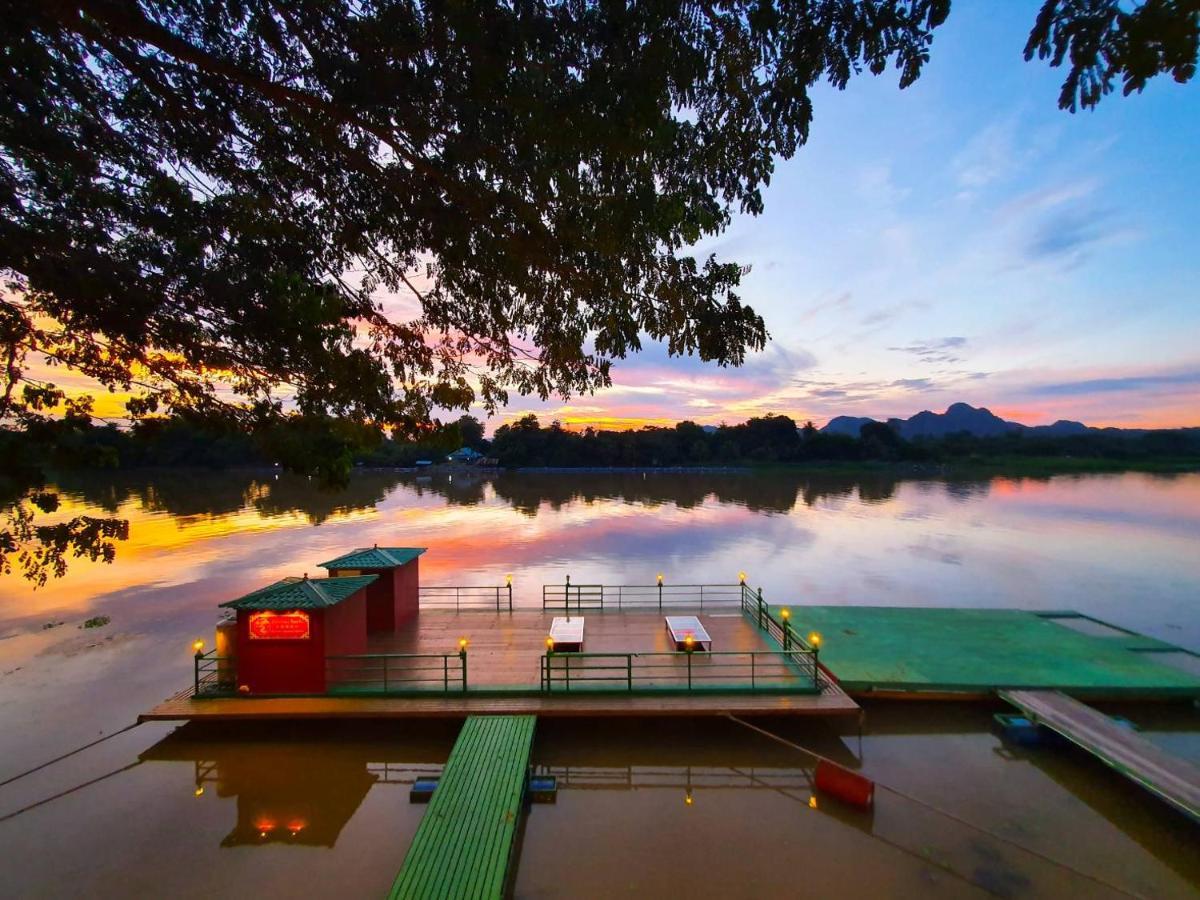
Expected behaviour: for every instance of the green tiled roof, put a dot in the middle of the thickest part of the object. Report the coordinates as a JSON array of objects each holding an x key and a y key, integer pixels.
[
  {"x": 302, "y": 593},
  {"x": 374, "y": 558}
]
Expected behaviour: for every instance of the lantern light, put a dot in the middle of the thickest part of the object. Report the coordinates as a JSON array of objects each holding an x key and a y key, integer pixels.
[
  {"x": 741, "y": 577},
  {"x": 508, "y": 579},
  {"x": 814, "y": 639},
  {"x": 549, "y": 642},
  {"x": 687, "y": 797},
  {"x": 199, "y": 792},
  {"x": 785, "y": 614},
  {"x": 660, "y": 578},
  {"x": 197, "y": 646},
  {"x": 689, "y": 642},
  {"x": 462, "y": 645},
  {"x": 812, "y": 802}
]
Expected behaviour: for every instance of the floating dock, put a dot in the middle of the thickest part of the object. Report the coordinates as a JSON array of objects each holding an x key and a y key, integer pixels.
[
  {"x": 1175, "y": 780},
  {"x": 961, "y": 653},
  {"x": 465, "y": 842}
]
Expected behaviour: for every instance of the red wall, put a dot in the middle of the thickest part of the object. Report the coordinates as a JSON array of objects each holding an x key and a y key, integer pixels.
[
  {"x": 298, "y": 666},
  {"x": 392, "y": 598},
  {"x": 407, "y": 580}
]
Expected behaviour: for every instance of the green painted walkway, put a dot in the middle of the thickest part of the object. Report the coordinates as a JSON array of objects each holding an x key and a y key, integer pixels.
[
  {"x": 875, "y": 648},
  {"x": 464, "y": 843}
]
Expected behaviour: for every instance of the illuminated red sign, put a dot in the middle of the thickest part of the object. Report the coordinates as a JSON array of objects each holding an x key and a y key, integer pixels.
[{"x": 274, "y": 626}]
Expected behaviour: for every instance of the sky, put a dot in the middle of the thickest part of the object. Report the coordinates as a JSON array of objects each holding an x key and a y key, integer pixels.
[{"x": 960, "y": 240}]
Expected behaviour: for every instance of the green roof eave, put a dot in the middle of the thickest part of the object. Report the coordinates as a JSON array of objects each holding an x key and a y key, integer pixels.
[
  {"x": 302, "y": 593},
  {"x": 374, "y": 558}
]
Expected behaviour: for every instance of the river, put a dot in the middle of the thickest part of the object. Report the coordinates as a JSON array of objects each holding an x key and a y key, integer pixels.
[{"x": 643, "y": 809}]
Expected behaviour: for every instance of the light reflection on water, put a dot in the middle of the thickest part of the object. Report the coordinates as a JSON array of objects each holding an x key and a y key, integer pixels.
[{"x": 1121, "y": 548}]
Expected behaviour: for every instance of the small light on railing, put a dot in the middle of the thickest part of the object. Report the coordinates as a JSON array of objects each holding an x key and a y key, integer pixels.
[
  {"x": 508, "y": 579},
  {"x": 462, "y": 645},
  {"x": 687, "y": 797},
  {"x": 689, "y": 642},
  {"x": 660, "y": 579},
  {"x": 812, "y": 802},
  {"x": 197, "y": 647},
  {"x": 199, "y": 792},
  {"x": 814, "y": 639},
  {"x": 741, "y": 577},
  {"x": 785, "y": 614},
  {"x": 549, "y": 643}
]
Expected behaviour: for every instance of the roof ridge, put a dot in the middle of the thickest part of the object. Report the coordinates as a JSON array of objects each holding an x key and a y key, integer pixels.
[
  {"x": 318, "y": 590},
  {"x": 387, "y": 554}
]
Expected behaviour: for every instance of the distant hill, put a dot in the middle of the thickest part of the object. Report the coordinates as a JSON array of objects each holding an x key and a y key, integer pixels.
[
  {"x": 958, "y": 417},
  {"x": 850, "y": 425}
]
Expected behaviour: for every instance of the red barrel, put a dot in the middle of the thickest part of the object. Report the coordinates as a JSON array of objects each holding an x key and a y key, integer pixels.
[{"x": 847, "y": 786}]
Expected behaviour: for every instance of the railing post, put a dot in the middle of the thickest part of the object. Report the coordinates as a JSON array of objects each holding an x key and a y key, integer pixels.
[
  {"x": 689, "y": 667},
  {"x": 629, "y": 669},
  {"x": 196, "y": 663},
  {"x": 787, "y": 635},
  {"x": 816, "y": 668},
  {"x": 567, "y": 670},
  {"x": 462, "y": 655},
  {"x": 567, "y": 596},
  {"x": 445, "y": 673},
  {"x": 761, "y": 609},
  {"x": 510, "y": 595},
  {"x": 752, "y": 682}
]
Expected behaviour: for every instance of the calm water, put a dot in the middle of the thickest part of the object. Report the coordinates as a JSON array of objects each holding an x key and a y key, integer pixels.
[{"x": 287, "y": 812}]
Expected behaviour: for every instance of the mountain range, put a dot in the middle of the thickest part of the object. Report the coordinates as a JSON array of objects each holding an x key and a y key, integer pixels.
[{"x": 958, "y": 417}]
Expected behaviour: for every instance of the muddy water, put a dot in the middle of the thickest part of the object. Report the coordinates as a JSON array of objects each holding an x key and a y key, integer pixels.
[{"x": 711, "y": 808}]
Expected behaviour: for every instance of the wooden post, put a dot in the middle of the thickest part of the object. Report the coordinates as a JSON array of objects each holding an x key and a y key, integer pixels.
[
  {"x": 629, "y": 669},
  {"x": 510, "y": 596},
  {"x": 462, "y": 654},
  {"x": 760, "y": 609}
]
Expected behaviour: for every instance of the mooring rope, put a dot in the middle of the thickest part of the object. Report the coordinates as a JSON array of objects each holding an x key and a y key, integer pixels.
[
  {"x": 942, "y": 812},
  {"x": 51, "y": 762},
  {"x": 70, "y": 790}
]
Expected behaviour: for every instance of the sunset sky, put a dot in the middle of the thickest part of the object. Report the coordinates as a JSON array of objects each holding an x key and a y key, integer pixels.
[{"x": 961, "y": 240}]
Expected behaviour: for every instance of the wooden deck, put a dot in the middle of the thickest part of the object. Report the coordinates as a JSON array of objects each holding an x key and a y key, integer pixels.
[
  {"x": 505, "y": 649},
  {"x": 504, "y": 655},
  {"x": 465, "y": 841},
  {"x": 1173, "y": 779}
]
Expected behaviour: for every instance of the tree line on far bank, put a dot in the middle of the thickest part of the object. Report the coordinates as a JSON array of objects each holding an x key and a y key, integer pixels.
[{"x": 767, "y": 440}]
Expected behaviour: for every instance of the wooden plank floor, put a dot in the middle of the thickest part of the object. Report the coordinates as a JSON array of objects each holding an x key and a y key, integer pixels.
[
  {"x": 1173, "y": 779},
  {"x": 505, "y": 649},
  {"x": 465, "y": 841}
]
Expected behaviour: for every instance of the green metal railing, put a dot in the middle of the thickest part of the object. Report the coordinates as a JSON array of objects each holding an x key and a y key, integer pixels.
[
  {"x": 779, "y": 627},
  {"x": 214, "y": 675},
  {"x": 396, "y": 673},
  {"x": 568, "y": 597},
  {"x": 730, "y": 671},
  {"x": 460, "y": 597}
]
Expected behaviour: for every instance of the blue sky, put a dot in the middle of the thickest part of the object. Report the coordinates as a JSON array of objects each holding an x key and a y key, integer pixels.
[{"x": 963, "y": 239}]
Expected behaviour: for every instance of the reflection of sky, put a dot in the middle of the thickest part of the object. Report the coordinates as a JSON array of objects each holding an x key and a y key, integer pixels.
[{"x": 1099, "y": 544}]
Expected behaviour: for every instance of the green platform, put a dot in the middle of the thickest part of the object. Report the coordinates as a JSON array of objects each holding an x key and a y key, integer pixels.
[
  {"x": 464, "y": 844},
  {"x": 974, "y": 651}
]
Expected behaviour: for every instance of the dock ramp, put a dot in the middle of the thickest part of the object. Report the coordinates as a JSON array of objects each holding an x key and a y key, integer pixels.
[
  {"x": 464, "y": 844},
  {"x": 1173, "y": 779}
]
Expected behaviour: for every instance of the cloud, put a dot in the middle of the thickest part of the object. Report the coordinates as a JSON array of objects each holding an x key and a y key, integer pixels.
[
  {"x": 1068, "y": 235},
  {"x": 1116, "y": 385},
  {"x": 915, "y": 384},
  {"x": 936, "y": 350}
]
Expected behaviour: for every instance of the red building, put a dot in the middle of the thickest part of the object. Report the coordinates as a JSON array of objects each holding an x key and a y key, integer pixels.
[
  {"x": 392, "y": 600},
  {"x": 287, "y": 631}
]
